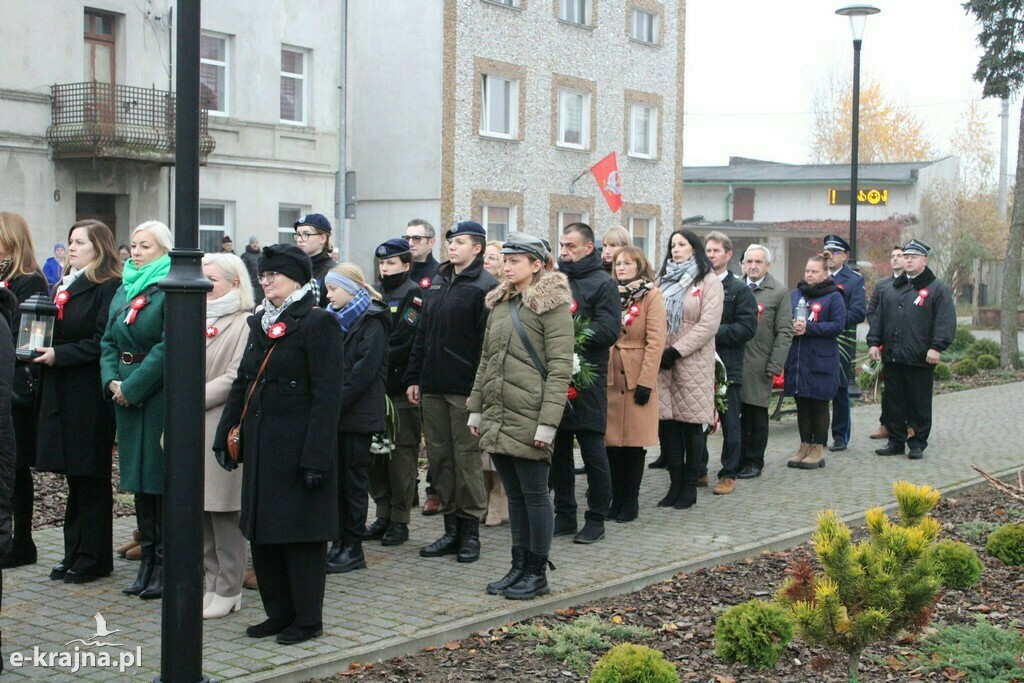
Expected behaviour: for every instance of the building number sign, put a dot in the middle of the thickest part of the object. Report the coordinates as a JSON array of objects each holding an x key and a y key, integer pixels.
[{"x": 871, "y": 196}]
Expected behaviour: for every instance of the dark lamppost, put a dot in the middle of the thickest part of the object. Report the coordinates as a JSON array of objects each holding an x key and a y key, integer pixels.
[
  {"x": 181, "y": 634},
  {"x": 858, "y": 15}
]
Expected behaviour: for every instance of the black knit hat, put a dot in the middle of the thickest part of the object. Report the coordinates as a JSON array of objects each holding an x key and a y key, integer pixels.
[{"x": 288, "y": 260}]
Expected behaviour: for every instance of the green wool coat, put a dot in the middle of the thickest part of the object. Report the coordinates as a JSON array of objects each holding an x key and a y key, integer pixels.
[
  {"x": 139, "y": 427},
  {"x": 508, "y": 390}
]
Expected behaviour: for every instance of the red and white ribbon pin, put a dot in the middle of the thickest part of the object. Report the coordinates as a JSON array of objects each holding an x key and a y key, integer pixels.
[
  {"x": 138, "y": 303},
  {"x": 922, "y": 294}
]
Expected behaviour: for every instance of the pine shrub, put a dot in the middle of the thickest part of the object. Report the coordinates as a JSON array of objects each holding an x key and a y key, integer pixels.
[
  {"x": 987, "y": 361},
  {"x": 981, "y": 651},
  {"x": 574, "y": 643},
  {"x": 1007, "y": 544},
  {"x": 942, "y": 372},
  {"x": 957, "y": 564},
  {"x": 965, "y": 368},
  {"x": 981, "y": 347},
  {"x": 628, "y": 663},
  {"x": 754, "y": 633}
]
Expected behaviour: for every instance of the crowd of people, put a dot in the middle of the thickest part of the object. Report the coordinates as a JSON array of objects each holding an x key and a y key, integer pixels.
[{"x": 503, "y": 359}]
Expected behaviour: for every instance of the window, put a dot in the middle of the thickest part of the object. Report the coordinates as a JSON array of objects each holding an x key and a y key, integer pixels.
[
  {"x": 643, "y": 132},
  {"x": 100, "y": 62},
  {"x": 213, "y": 73},
  {"x": 569, "y": 217},
  {"x": 642, "y": 232},
  {"x": 575, "y": 11},
  {"x": 743, "y": 204},
  {"x": 498, "y": 221},
  {"x": 573, "y": 119},
  {"x": 293, "y": 85},
  {"x": 287, "y": 214},
  {"x": 499, "y": 115},
  {"x": 506, "y": 3},
  {"x": 645, "y": 26},
  {"x": 215, "y": 221}
]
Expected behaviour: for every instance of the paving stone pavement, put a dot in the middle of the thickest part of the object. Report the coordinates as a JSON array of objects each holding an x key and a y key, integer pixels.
[{"x": 403, "y": 602}]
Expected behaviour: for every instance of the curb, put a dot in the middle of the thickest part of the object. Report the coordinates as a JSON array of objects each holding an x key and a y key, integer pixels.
[{"x": 329, "y": 665}]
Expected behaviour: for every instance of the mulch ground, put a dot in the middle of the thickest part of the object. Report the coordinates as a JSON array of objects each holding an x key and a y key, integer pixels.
[{"x": 682, "y": 611}]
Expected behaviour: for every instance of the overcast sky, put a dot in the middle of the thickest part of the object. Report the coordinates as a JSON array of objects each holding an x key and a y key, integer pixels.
[{"x": 752, "y": 67}]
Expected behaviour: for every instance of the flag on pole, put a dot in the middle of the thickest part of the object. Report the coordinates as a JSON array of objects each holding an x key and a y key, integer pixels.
[{"x": 606, "y": 173}]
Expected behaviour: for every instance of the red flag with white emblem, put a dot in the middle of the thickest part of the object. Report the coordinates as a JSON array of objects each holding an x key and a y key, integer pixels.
[{"x": 606, "y": 173}]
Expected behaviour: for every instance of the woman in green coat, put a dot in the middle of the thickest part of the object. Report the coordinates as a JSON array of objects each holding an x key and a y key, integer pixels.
[
  {"x": 132, "y": 375},
  {"x": 517, "y": 402}
]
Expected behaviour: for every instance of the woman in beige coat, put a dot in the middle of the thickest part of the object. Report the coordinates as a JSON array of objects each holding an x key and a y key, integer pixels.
[
  {"x": 227, "y": 307},
  {"x": 686, "y": 384},
  {"x": 633, "y": 380}
]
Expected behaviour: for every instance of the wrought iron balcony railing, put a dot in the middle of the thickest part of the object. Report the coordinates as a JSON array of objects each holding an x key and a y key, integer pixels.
[{"x": 100, "y": 120}]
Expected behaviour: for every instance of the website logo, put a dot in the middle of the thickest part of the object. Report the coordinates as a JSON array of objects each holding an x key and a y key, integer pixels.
[{"x": 73, "y": 659}]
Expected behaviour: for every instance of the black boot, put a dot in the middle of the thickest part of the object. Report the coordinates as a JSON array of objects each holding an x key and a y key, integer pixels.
[
  {"x": 155, "y": 519},
  {"x": 565, "y": 525},
  {"x": 674, "y": 465},
  {"x": 633, "y": 471},
  {"x": 333, "y": 553},
  {"x": 155, "y": 588},
  {"x": 376, "y": 531},
  {"x": 659, "y": 463},
  {"x": 615, "y": 470},
  {"x": 469, "y": 540},
  {"x": 447, "y": 544},
  {"x": 145, "y": 573},
  {"x": 23, "y": 549},
  {"x": 687, "y": 497},
  {"x": 519, "y": 554},
  {"x": 147, "y": 533},
  {"x": 397, "y": 534},
  {"x": 534, "y": 581},
  {"x": 349, "y": 559}
]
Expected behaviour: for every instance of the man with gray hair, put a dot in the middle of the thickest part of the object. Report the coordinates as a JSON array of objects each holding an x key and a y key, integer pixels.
[{"x": 764, "y": 357}]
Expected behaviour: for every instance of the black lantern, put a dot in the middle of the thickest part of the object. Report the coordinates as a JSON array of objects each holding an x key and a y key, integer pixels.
[{"x": 38, "y": 315}]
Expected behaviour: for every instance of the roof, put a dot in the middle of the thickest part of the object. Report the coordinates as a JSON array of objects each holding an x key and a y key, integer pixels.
[
  {"x": 758, "y": 172},
  {"x": 818, "y": 227}
]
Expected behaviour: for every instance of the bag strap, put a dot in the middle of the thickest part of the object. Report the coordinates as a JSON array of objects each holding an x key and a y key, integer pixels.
[
  {"x": 256, "y": 381},
  {"x": 518, "y": 324}
]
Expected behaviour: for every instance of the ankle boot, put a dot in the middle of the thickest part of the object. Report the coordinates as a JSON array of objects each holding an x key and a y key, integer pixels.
[
  {"x": 348, "y": 559},
  {"x": 815, "y": 458},
  {"x": 799, "y": 456},
  {"x": 534, "y": 582},
  {"x": 519, "y": 554},
  {"x": 155, "y": 588},
  {"x": 142, "y": 578},
  {"x": 469, "y": 540},
  {"x": 448, "y": 544},
  {"x": 658, "y": 463},
  {"x": 333, "y": 553},
  {"x": 687, "y": 497}
]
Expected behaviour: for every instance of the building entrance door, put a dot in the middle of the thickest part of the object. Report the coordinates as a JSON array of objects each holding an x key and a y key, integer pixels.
[{"x": 99, "y": 207}]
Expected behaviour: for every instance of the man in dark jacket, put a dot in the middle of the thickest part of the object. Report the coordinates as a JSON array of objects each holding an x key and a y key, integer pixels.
[
  {"x": 852, "y": 285},
  {"x": 739, "y": 323},
  {"x": 313, "y": 236},
  {"x": 896, "y": 261},
  {"x": 595, "y": 300},
  {"x": 915, "y": 321},
  {"x": 420, "y": 236},
  {"x": 251, "y": 259},
  {"x": 440, "y": 377}
]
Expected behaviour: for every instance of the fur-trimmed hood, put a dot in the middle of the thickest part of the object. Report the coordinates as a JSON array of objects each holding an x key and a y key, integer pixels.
[{"x": 540, "y": 297}]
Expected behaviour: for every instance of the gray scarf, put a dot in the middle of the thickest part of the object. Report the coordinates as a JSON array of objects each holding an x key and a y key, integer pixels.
[
  {"x": 675, "y": 283},
  {"x": 271, "y": 312},
  {"x": 226, "y": 305}
]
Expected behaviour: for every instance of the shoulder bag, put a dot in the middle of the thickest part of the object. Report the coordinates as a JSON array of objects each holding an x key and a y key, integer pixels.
[
  {"x": 518, "y": 324},
  {"x": 235, "y": 433}
]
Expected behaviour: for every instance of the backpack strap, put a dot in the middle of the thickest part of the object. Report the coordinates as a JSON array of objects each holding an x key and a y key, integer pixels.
[{"x": 518, "y": 324}]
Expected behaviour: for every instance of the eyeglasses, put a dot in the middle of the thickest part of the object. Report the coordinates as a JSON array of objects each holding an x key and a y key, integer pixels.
[
  {"x": 303, "y": 236},
  {"x": 414, "y": 238},
  {"x": 268, "y": 277}
]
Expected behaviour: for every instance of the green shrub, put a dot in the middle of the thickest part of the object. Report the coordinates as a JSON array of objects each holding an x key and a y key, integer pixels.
[
  {"x": 942, "y": 372},
  {"x": 574, "y": 643},
  {"x": 965, "y": 368},
  {"x": 982, "y": 651},
  {"x": 1007, "y": 544},
  {"x": 981, "y": 347},
  {"x": 961, "y": 340},
  {"x": 957, "y": 563},
  {"x": 628, "y": 663},
  {"x": 754, "y": 633},
  {"x": 987, "y": 361},
  {"x": 976, "y": 531}
]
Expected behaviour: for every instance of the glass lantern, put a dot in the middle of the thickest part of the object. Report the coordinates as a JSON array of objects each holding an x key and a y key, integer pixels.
[{"x": 38, "y": 315}]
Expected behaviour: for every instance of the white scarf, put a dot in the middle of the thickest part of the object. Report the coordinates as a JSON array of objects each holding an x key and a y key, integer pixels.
[
  {"x": 226, "y": 305},
  {"x": 271, "y": 312},
  {"x": 70, "y": 278}
]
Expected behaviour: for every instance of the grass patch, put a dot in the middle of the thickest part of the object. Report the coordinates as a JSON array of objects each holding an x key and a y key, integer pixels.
[{"x": 575, "y": 643}]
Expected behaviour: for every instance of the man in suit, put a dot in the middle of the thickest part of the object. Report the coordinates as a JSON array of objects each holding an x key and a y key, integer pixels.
[{"x": 852, "y": 284}]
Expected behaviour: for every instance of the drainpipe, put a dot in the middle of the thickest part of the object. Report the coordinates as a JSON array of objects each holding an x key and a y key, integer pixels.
[
  {"x": 170, "y": 89},
  {"x": 728, "y": 204},
  {"x": 339, "y": 178}
]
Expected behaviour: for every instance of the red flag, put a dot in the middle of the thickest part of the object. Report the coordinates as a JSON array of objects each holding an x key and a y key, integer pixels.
[{"x": 606, "y": 173}]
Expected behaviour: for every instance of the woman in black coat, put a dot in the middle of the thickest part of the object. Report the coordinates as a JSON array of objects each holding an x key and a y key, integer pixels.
[
  {"x": 8, "y": 305},
  {"x": 289, "y": 444},
  {"x": 76, "y": 423},
  {"x": 20, "y": 273}
]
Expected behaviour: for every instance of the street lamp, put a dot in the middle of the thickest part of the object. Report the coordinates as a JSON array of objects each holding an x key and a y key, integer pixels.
[{"x": 858, "y": 15}]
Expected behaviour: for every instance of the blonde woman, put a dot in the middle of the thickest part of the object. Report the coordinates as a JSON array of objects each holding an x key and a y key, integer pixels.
[
  {"x": 612, "y": 242},
  {"x": 227, "y": 308}
]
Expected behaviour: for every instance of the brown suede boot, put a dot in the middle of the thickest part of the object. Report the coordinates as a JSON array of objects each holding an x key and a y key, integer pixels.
[
  {"x": 799, "y": 456},
  {"x": 882, "y": 433},
  {"x": 123, "y": 550},
  {"x": 815, "y": 458}
]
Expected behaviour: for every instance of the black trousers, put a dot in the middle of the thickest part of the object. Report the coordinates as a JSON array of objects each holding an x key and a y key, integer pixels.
[
  {"x": 907, "y": 402},
  {"x": 22, "y": 503},
  {"x": 754, "y": 440},
  {"x": 353, "y": 485},
  {"x": 683, "y": 444},
  {"x": 812, "y": 419},
  {"x": 88, "y": 534},
  {"x": 530, "y": 517},
  {"x": 626, "y": 465},
  {"x": 563, "y": 474},
  {"x": 732, "y": 433},
  {"x": 149, "y": 516},
  {"x": 292, "y": 581}
]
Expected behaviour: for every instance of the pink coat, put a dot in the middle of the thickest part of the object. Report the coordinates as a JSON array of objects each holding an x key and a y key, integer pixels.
[{"x": 686, "y": 391}]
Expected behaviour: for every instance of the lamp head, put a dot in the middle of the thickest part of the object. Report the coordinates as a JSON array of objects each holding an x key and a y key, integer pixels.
[{"x": 858, "y": 15}]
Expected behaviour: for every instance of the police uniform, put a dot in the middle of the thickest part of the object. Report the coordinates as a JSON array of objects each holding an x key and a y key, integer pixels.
[
  {"x": 393, "y": 476},
  {"x": 914, "y": 315},
  {"x": 854, "y": 292}
]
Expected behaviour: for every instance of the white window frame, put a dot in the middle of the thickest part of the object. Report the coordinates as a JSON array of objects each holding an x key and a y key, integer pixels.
[
  {"x": 568, "y": 9},
  {"x": 652, "y": 230},
  {"x": 286, "y": 233},
  {"x": 563, "y": 95},
  {"x": 226, "y": 65},
  {"x": 652, "y": 132},
  {"x": 228, "y": 228},
  {"x": 584, "y": 218},
  {"x": 486, "y": 83},
  {"x": 511, "y": 226},
  {"x": 505, "y": 3},
  {"x": 303, "y": 79},
  {"x": 635, "y": 33}
]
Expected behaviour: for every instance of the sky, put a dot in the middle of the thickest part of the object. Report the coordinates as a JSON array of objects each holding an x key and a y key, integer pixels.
[{"x": 752, "y": 68}]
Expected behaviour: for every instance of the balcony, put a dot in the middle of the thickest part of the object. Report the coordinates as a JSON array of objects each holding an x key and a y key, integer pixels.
[{"x": 103, "y": 121}]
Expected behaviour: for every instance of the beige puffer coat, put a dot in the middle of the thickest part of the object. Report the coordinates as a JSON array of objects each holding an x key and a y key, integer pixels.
[
  {"x": 686, "y": 391},
  {"x": 223, "y": 490},
  {"x": 508, "y": 390}
]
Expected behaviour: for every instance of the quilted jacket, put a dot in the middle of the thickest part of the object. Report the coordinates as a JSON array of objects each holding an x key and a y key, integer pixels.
[{"x": 686, "y": 391}]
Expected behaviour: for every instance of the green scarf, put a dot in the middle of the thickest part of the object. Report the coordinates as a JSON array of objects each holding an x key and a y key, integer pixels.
[{"x": 137, "y": 279}]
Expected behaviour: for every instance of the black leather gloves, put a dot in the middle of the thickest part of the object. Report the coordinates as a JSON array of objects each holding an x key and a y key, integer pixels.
[
  {"x": 224, "y": 460},
  {"x": 641, "y": 395},
  {"x": 313, "y": 479},
  {"x": 668, "y": 358}
]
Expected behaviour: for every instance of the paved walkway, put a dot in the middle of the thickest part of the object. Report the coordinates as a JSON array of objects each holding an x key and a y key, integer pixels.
[{"x": 403, "y": 603}]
